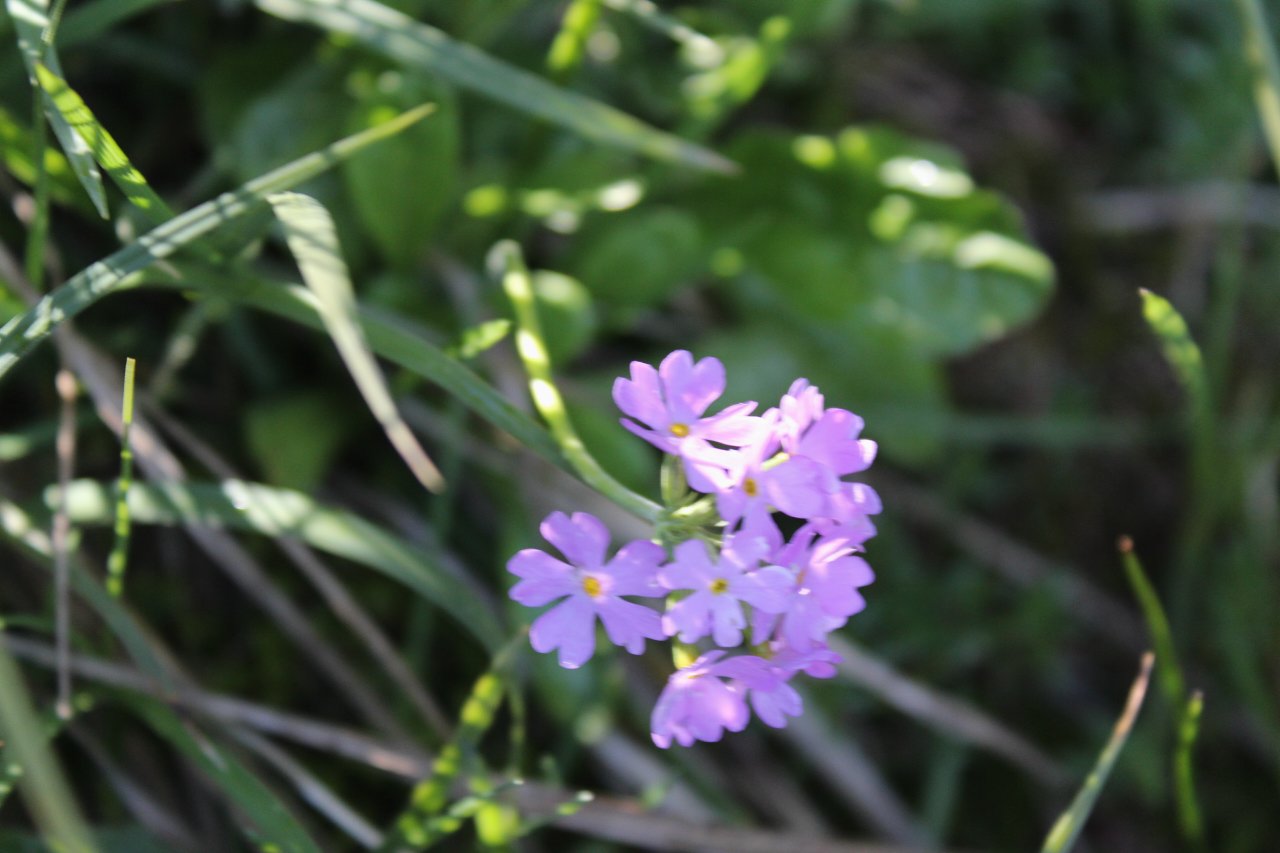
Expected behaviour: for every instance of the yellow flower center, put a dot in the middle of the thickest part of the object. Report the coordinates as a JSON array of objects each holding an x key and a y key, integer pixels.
[
  {"x": 591, "y": 586},
  {"x": 719, "y": 585},
  {"x": 749, "y": 486},
  {"x": 679, "y": 430}
]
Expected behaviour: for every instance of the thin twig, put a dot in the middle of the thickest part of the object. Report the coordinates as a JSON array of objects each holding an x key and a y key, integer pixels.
[
  {"x": 335, "y": 594},
  {"x": 946, "y": 714},
  {"x": 61, "y": 537}
]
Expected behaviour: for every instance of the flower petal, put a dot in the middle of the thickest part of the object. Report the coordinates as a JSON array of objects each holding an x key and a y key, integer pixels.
[
  {"x": 635, "y": 568},
  {"x": 641, "y": 396},
  {"x": 582, "y": 537},
  {"x": 628, "y": 624},
  {"x": 569, "y": 627}
]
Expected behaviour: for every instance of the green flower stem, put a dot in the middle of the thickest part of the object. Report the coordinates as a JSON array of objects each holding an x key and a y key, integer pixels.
[
  {"x": 119, "y": 556},
  {"x": 546, "y": 397}
]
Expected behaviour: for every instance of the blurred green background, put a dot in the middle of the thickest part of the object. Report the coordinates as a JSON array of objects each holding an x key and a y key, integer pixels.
[{"x": 940, "y": 212}]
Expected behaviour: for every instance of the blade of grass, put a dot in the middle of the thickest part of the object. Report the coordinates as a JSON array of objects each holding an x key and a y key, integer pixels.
[
  {"x": 1261, "y": 55},
  {"x": 402, "y": 39},
  {"x": 1062, "y": 837},
  {"x": 1186, "y": 708},
  {"x": 1167, "y": 666},
  {"x": 313, "y": 239},
  {"x": 414, "y": 829},
  {"x": 392, "y": 338},
  {"x": 30, "y": 21},
  {"x": 268, "y": 822},
  {"x": 11, "y": 769},
  {"x": 23, "y": 332},
  {"x": 1178, "y": 347},
  {"x": 280, "y": 512},
  {"x": 61, "y": 537},
  {"x": 43, "y": 786},
  {"x": 106, "y": 152},
  {"x": 17, "y": 149},
  {"x": 546, "y": 397},
  {"x": 118, "y": 559}
]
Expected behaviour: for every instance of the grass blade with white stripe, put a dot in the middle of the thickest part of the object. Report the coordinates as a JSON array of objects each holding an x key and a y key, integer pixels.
[
  {"x": 280, "y": 512},
  {"x": 313, "y": 239},
  {"x": 401, "y": 38},
  {"x": 30, "y": 20},
  {"x": 23, "y": 332},
  {"x": 106, "y": 152}
]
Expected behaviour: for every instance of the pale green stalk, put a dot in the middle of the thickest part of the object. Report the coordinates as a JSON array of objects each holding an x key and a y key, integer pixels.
[
  {"x": 119, "y": 556},
  {"x": 546, "y": 396}
]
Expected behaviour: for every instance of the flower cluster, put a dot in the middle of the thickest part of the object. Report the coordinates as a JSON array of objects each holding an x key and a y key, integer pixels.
[{"x": 730, "y": 577}]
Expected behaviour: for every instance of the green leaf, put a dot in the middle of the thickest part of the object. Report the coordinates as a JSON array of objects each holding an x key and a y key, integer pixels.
[
  {"x": 112, "y": 273},
  {"x": 402, "y": 190},
  {"x": 279, "y": 512},
  {"x": 479, "y": 338},
  {"x": 1062, "y": 837},
  {"x": 11, "y": 767},
  {"x": 30, "y": 20},
  {"x": 420, "y": 46},
  {"x": 294, "y": 438},
  {"x": 103, "y": 147},
  {"x": 1260, "y": 52},
  {"x": 269, "y": 823},
  {"x": 310, "y": 234},
  {"x": 638, "y": 258},
  {"x": 566, "y": 312}
]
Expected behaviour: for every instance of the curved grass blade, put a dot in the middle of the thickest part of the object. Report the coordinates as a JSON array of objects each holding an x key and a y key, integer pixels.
[
  {"x": 23, "y": 332},
  {"x": 280, "y": 512},
  {"x": 17, "y": 145},
  {"x": 395, "y": 340},
  {"x": 106, "y": 152},
  {"x": 415, "y": 44},
  {"x": 11, "y": 769},
  {"x": 1183, "y": 771},
  {"x": 30, "y": 21},
  {"x": 418, "y": 826},
  {"x": 43, "y": 786},
  {"x": 270, "y": 824},
  {"x": 313, "y": 239},
  {"x": 1062, "y": 837}
]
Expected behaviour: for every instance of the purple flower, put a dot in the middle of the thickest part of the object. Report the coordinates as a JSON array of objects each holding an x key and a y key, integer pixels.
[
  {"x": 774, "y": 701},
  {"x": 589, "y": 587},
  {"x": 826, "y": 580},
  {"x": 719, "y": 589},
  {"x": 668, "y": 404},
  {"x": 756, "y": 483},
  {"x": 698, "y": 705}
]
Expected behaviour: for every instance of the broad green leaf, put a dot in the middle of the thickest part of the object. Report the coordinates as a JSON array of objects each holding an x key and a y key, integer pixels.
[
  {"x": 30, "y": 20},
  {"x": 102, "y": 146},
  {"x": 269, "y": 823},
  {"x": 294, "y": 437},
  {"x": 1062, "y": 837},
  {"x": 279, "y": 512},
  {"x": 112, "y": 273},
  {"x": 638, "y": 258},
  {"x": 567, "y": 314},
  {"x": 44, "y": 787},
  {"x": 420, "y": 46},
  {"x": 402, "y": 190},
  {"x": 310, "y": 234}
]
